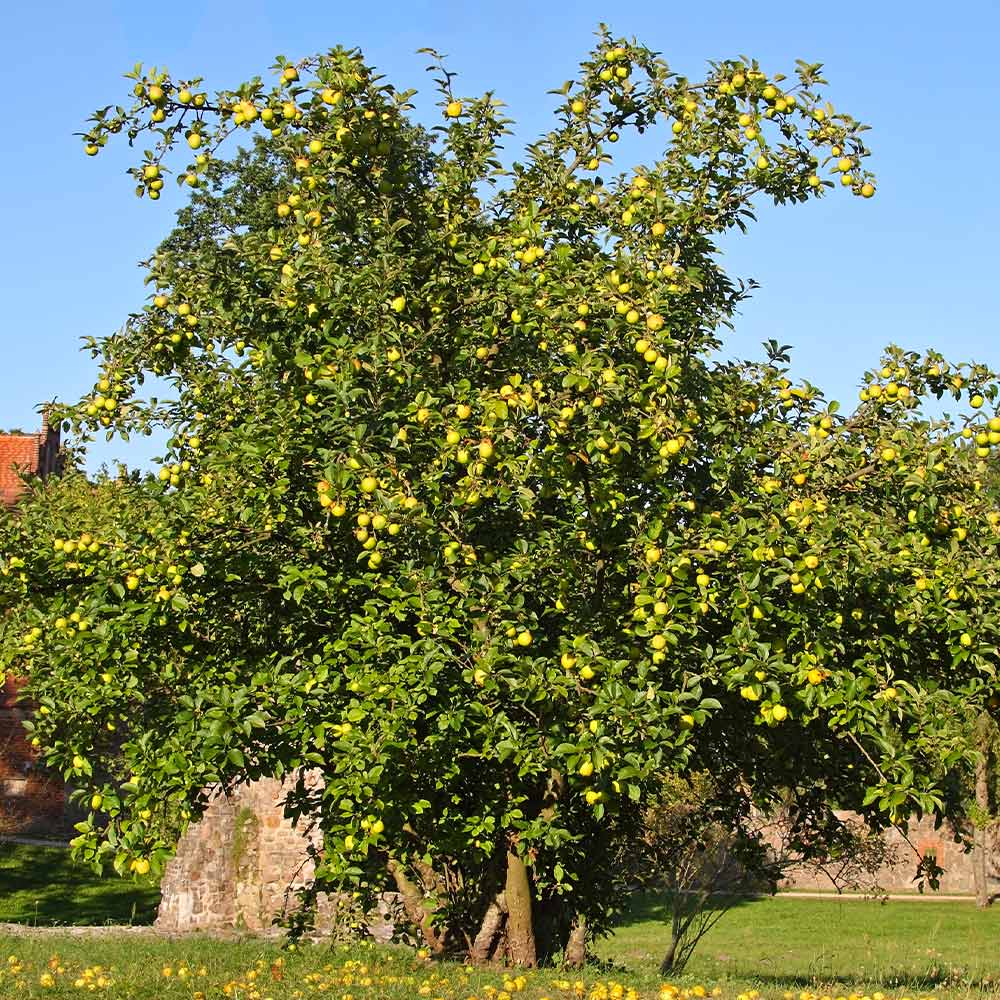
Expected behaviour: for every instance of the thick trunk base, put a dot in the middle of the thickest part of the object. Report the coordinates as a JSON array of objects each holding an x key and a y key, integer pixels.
[
  {"x": 576, "y": 947},
  {"x": 520, "y": 933},
  {"x": 980, "y": 866},
  {"x": 416, "y": 909}
]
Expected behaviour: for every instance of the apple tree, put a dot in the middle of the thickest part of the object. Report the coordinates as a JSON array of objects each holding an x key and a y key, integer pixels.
[{"x": 462, "y": 524}]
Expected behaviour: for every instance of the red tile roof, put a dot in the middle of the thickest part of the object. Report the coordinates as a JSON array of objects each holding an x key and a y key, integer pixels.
[{"x": 34, "y": 453}]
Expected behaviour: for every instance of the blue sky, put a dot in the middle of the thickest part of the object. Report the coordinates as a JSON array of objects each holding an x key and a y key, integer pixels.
[{"x": 917, "y": 265}]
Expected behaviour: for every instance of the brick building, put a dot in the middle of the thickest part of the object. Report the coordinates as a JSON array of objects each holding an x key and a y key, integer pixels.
[
  {"x": 31, "y": 800},
  {"x": 33, "y": 453}
]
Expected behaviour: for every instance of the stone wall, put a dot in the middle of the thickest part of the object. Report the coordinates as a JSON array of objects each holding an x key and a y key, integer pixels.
[
  {"x": 958, "y": 878},
  {"x": 238, "y": 866}
]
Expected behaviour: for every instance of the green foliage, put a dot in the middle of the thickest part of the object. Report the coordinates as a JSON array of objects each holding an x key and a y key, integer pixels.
[{"x": 462, "y": 515}]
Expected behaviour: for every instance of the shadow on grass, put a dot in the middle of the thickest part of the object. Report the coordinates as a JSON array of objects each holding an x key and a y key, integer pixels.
[
  {"x": 931, "y": 980},
  {"x": 654, "y": 907},
  {"x": 43, "y": 885}
]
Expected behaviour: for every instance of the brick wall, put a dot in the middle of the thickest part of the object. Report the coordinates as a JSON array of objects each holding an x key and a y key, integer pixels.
[{"x": 31, "y": 800}]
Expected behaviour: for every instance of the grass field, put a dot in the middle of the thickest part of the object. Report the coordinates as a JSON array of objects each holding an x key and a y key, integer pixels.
[
  {"x": 791, "y": 942},
  {"x": 40, "y": 885},
  {"x": 774, "y": 949}
]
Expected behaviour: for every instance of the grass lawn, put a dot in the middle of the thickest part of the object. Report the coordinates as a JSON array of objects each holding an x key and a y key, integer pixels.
[
  {"x": 787, "y": 949},
  {"x": 41, "y": 885},
  {"x": 786, "y": 943}
]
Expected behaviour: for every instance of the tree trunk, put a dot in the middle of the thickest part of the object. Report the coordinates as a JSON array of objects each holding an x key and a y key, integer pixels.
[
  {"x": 484, "y": 947},
  {"x": 667, "y": 965},
  {"x": 416, "y": 910},
  {"x": 576, "y": 946},
  {"x": 520, "y": 928},
  {"x": 979, "y": 848}
]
